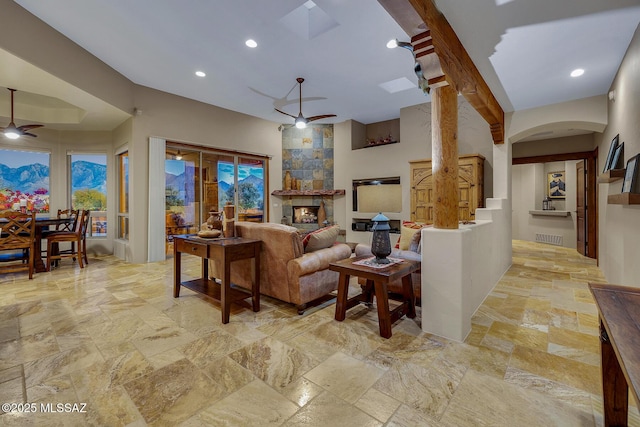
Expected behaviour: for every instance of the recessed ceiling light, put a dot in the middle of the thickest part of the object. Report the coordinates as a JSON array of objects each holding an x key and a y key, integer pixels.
[
  {"x": 577, "y": 72},
  {"x": 251, "y": 43},
  {"x": 201, "y": 73}
]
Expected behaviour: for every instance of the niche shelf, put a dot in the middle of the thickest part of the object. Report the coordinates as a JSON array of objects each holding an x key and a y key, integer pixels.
[
  {"x": 624, "y": 199},
  {"x": 611, "y": 175}
]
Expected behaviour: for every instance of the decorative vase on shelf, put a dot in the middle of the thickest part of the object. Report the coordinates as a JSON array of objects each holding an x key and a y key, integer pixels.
[
  {"x": 322, "y": 214},
  {"x": 287, "y": 180}
]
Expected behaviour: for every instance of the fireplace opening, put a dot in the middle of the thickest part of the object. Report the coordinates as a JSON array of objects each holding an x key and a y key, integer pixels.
[{"x": 305, "y": 214}]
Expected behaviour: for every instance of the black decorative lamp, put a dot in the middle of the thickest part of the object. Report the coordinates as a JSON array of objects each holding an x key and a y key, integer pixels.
[{"x": 380, "y": 243}]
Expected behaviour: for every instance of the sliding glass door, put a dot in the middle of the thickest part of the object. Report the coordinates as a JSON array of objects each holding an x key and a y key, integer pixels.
[
  {"x": 250, "y": 189},
  {"x": 215, "y": 178},
  {"x": 182, "y": 192}
]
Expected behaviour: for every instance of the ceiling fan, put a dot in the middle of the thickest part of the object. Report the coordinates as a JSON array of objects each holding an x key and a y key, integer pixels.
[
  {"x": 301, "y": 121},
  {"x": 14, "y": 132}
]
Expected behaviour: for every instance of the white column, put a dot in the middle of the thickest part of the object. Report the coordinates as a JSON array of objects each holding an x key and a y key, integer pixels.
[{"x": 156, "y": 220}]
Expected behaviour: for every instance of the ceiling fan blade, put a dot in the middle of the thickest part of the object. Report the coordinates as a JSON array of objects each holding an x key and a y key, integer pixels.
[
  {"x": 324, "y": 116},
  {"x": 29, "y": 134},
  {"x": 286, "y": 114},
  {"x": 28, "y": 127}
]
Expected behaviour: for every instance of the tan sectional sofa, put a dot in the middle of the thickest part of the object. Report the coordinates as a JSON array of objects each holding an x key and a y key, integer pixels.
[{"x": 287, "y": 273}]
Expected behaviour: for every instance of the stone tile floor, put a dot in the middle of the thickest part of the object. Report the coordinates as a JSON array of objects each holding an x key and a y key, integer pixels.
[{"x": 111, "y": 336}]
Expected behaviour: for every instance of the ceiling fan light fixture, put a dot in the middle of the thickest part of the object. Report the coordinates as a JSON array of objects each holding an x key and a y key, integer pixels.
[
  {"x": 178, "y": 155},
  {"x": 11, "y": 132},
  {"x": 301, "y": 122}
]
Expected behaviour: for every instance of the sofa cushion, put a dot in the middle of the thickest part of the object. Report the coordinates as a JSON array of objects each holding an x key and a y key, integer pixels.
[{"x": 321, "y": 238}]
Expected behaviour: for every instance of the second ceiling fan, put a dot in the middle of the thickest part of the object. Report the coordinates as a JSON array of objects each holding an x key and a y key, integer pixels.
[
  {"x": 300, "y": 120},
  {"x": 14, "y": 132}
]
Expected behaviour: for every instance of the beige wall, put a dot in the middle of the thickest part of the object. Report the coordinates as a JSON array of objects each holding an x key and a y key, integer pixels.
[{"x": 619, "y": 231}]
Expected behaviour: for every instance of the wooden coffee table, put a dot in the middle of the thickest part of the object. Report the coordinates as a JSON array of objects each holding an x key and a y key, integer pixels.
[{"x": 377, "y": 280}]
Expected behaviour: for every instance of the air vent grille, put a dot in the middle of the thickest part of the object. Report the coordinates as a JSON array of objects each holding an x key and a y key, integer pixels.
[{"x": 551, "y": 239}]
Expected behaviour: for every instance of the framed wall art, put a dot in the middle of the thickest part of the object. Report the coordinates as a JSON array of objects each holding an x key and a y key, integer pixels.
[
  {"x": 630, "y": 183},
  {"x": 556, "y": 185},
  {"x": 618, "y": 157},
  {"x": 612, "y": 150}
]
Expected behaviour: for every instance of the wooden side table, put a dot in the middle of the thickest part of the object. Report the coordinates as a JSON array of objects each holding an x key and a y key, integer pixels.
[
  {"x": 619, "y": 309},
  {"x": 226, "y": 250},
  {"x": 377, "y": 280}
]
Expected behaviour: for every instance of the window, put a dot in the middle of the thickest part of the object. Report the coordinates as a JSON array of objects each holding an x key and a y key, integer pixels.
[
  {"x": 123, "y": 196},
  {"x": 88, "y": 174},
  {"x": 24, "y": 180}
]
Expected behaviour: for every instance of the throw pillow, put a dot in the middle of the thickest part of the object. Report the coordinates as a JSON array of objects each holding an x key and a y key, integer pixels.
[
  {"x": 416, "y": 241},
  {"x": 407, "y": 231},
  {"x": 321, "y": 238},
  {"x": 414, "y": 244}
]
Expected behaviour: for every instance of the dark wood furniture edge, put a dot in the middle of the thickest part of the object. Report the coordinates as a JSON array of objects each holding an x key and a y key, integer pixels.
[
  {"x": 579, "y": 155},
  {"x": 617, "y": 368},
  {"x": 211, "y": 289}
]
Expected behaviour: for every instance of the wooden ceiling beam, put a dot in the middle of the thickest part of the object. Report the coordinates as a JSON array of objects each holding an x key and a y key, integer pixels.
[{"x": 441, "y": 52}]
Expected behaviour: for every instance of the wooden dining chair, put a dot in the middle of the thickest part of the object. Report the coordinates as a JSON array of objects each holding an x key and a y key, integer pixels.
[
  {"x": 17, "y": 241},
  {"x": 75, "y": 236},
  {"x": 72, "y": 216}
]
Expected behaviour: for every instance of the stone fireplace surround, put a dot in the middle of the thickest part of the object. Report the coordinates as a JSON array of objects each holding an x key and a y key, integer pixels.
[{"x": 308, "y": 155}]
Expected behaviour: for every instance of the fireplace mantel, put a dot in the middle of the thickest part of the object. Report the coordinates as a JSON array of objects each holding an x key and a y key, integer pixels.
[{"x": 308, "y": 193}]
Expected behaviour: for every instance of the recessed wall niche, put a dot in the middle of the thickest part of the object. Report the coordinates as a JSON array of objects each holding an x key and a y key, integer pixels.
[{"x": 374, "y": 134}]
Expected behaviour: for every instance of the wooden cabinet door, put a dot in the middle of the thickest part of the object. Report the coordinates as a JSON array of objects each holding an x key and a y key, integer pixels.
[
  {"x": 422, "y": 193},
  {"x": 470, "y": 186},
  {"x": 464, "y": 202}
]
